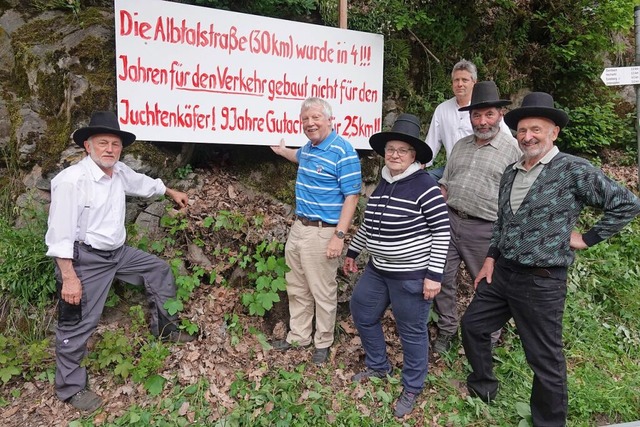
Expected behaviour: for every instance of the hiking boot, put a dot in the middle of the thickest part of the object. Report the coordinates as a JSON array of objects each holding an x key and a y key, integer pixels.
[
  {"x": 404, "y": 404},
  {"x": 179, "y": 337},
  {"x": 283, "y": 345},
  {"x": 368, "y": 373},
  {"x": 85, "y": 400},
  {"x": 320, "y": 355},
  {"x": 443, "y": 343}
]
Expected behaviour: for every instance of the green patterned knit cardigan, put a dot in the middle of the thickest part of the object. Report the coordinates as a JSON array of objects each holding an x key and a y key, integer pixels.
[{"x": 538, "y": 234}]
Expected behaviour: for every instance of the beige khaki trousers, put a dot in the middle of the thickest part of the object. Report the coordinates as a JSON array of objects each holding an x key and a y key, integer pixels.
[{"x": 311, "y": 285}]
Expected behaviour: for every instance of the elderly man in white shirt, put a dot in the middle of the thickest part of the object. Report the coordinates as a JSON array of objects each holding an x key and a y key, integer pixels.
[
  {"x": 449, "y": 124},
  {"x": 86, "y": 237}
]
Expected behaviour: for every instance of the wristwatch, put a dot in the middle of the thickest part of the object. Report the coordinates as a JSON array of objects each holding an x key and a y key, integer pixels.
[{"x": 339, "y": 234}]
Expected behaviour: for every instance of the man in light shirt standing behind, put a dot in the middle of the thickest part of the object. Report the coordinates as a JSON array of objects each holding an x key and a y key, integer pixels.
[{"x": 449, "y": 124}]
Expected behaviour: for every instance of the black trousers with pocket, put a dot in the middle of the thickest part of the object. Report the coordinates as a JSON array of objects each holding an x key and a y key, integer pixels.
[{"x": 537, "y": 305}]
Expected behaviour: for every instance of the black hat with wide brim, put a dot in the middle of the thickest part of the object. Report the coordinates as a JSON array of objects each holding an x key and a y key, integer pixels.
[
  {"x": 485, "y": 95},
  {"x": 103, "y": 122},
  {"x": 407, "y": 129},
  {"x": 536, "y": 104}
]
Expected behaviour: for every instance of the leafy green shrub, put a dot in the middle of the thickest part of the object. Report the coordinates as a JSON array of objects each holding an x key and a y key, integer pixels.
[
  {"x": 226, "y": 220},
  {"x": 26, "y": 273},
  {"x": 281, "y": 392},
  {"x": 132, "y": 354},
  {"x": 268, "y": 277},
  {"x": 273, "y": 8},
  {"x": 183, "y": 172},
  {"x": 594, "y": 127},
  {"x": 20, "y": 360}
]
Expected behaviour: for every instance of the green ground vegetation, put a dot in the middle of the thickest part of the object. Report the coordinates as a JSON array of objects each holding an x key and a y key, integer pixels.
[
  {"x": 558, "y": 47},
  {"x": 602, "y": 345}
]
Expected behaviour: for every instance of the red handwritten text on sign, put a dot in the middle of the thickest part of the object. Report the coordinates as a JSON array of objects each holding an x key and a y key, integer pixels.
[{"x": 195, "y": 74}]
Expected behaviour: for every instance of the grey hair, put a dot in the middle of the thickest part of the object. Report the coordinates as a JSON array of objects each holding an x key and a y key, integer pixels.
[
  {"x": 464, "y": 65},
  {"x": 317, "y": 102}
]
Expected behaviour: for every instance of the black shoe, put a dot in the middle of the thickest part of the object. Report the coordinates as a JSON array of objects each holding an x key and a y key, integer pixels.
[
  {"x": 485, "y": 397},
  {"x": 368, "y": 373},
  {"x": 85, "y": 400},
  {"x": 283, "y": 345},
  {"x": 443, "y": 343},
  {"x": 405, "y": 403},
  {"x": 179, "y": 337},
  {"x": 320, "y": 355}
]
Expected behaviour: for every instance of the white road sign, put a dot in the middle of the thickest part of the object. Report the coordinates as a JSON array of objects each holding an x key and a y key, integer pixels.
[{"x": 621, "y": 76}]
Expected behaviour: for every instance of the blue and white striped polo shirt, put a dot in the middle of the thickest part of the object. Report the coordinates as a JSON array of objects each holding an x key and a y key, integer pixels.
[{"x": 327, "y": 173}]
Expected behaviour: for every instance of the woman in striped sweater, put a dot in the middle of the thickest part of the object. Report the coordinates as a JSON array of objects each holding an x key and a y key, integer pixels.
[{"x": 406, "y": 232}]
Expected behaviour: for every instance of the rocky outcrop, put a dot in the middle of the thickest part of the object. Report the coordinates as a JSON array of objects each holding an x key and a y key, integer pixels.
[{"x": 56, "y": 68}]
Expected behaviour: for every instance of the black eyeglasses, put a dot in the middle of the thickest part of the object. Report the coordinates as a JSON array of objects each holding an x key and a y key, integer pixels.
[{"x": 399, "y": 151}]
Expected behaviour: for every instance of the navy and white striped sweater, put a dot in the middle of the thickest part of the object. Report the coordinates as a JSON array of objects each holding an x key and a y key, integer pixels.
[{"x": 405, "y": 229}]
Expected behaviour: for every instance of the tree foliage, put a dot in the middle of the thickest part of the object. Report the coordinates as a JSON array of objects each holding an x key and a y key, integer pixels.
[
  {"x": 286, "y": 9},
  {"x": 544, "y": 45}
]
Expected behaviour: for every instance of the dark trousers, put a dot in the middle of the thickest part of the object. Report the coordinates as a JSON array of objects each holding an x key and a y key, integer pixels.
[
  {"x": 469, "y": 243},
  {"x": 96, "y": 270},
  {"x": 537, "y": 306},
  {"x": 371, "y": 297}
]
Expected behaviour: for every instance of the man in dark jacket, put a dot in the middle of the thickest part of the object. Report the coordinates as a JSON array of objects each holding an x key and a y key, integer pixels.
[{"x": 533, "y": 244}]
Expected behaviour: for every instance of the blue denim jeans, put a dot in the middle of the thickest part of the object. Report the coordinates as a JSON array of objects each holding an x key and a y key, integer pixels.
[
  {"x": 436, "y": 173},
  {"x": 371, "y": 297},
  {"x": 537, "y": 306}
]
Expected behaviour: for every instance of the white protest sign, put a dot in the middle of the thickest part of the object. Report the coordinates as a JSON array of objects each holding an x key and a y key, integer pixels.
[{"x": 194, "y": 74}]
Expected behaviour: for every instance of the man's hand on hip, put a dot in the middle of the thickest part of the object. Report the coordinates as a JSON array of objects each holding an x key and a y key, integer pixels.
[
  {"x": 577, "y": 242},
  {"x": 486, "y": 272}
]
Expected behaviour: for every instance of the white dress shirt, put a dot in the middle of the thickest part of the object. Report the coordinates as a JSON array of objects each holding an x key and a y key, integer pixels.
[
  {"x": 448, "y": 126},
  {"x": 84, "y": 189}
]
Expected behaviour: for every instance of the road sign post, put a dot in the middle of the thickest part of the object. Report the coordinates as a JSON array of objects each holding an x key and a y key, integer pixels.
[
  {"x": 636, "y": 14},
  {"x": 624, "y": 76}
]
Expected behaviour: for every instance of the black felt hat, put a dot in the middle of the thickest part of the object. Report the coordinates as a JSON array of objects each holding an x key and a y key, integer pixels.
[
  {"x": 407, "y": 129},
  {"x": 103, "y": 122},
  {"x": 536, "y": 104},
  {"x": 485, "y": 95}
]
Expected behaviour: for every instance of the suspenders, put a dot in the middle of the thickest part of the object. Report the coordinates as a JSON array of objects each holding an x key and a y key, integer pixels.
[{"x": 83, "y": 220}]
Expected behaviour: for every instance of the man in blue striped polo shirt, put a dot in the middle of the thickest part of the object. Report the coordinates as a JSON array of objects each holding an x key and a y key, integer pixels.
[{"x": 327, "y": 190}]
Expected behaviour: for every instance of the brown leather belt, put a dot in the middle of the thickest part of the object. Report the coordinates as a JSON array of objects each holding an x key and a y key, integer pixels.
[
  {"x": 314, "y": 223},
  {"x": 464, "y": 215}
]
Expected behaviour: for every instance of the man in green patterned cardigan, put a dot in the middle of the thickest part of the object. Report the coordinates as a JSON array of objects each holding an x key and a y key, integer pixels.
[{"x": 532, "y": 245}]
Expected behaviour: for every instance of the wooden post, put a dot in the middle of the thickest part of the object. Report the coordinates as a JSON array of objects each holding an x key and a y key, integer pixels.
[{"x": 342, "y": 14}]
